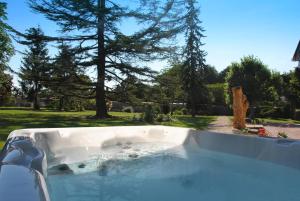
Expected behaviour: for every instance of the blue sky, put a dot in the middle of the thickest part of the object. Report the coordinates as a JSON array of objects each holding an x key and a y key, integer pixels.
[{"x": 268, "y": 29}]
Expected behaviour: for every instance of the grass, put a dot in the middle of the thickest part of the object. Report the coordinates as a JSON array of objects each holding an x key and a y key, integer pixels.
[
  {"x": 279, "y": 121},
  {"x": 20, "y": 118},
  {"x": 276, "y": 120}
]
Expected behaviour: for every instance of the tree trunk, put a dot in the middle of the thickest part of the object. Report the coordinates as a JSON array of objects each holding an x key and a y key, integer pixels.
[{"x": 101, "y": 110}]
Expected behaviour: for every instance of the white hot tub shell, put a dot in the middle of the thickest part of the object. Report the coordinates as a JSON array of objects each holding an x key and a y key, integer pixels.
[{"x": 30, "y": 153}]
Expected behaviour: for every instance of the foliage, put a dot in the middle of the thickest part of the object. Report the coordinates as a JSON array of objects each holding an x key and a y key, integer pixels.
[
  {"x": 102, "y": 45},
  {"x": 67, "y": 83},
  {"x": 128, "y": 109},
  {"x": 182, "y": 111},
  {"x": 6, "y": 48},
  {"x": 223, "y": 74},
  {"x": 6, "y": 86},
  {"x": 170, "y": 86},
  {"x": 35, "y": 66},
  {"x": 280, "y": 111},
  {"x": 132, "y": 90},
  {"x": 210, "y": 75},
  {"x": 282, "y": 135},
  {"x": 254, "y": 77},
  {"x": 296, "y": 115},
  {"x": 149, "y": 114},
  {"x": 6, "y": 51},
  {"x": 194, "y": 59},
  {"x": 217, "y": 93},
  {"x": 164, "y": 118}
]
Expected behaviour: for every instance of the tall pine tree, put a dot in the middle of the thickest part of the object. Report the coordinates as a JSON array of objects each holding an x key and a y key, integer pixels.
[
  {"x": 194, "y": 59},
  {"x": 35, "y": 65},
  {"x": 6, "y": 51},
  {"x": 95, "y": 26}
]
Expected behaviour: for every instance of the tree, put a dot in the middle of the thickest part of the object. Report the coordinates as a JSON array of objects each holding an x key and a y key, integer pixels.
[
  {"x": 211, "y": 75},
  {"x": 291, "y": 89},
  {"x": 35, "y": 66},
  {"x": 5, "y": 87},
  {"x": 65, "y": 78},
  {"x": 131, "y": 90},
  {"x": 223, "y": 74},
  {"x": 95, "y": 27},
  {"x": 253, "y": 76},
  {"x": 194, "y": 58},
  {"x": 6, "y": 51},
  {"x": 170, "y": 86}
]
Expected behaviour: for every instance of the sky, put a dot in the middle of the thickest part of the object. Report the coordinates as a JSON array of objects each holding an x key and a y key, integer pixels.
[{"x": 267, "y": 29}]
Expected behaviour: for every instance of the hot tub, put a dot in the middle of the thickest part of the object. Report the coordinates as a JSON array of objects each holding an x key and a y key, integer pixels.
[{"x": 147, "y": 163}]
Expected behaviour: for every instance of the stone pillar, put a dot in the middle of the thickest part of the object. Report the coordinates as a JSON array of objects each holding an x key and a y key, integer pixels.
[{"x": 240, "y": 107}]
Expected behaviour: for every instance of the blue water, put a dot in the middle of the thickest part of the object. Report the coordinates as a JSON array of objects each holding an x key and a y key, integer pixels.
[{"x": 177, "y": 174}]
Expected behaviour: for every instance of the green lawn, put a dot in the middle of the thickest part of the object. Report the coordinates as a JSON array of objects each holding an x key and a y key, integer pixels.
[
  {"x": 280, "y": 121},
  {"x": 19, "y": 118}
]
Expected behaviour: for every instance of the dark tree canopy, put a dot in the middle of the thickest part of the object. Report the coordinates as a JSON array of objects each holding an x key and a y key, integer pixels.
[
  {"x": 210, "y": 75},
  {"x": 6, "y": 48},
  {"x": 34, "y": 71},
  {"x": 131, "y": 90},
  {"x": 66, "y": 78},
  {"x": 194, "y": 58},
  {"x": 170, "y": 85},
  {"x": 253, "y": 76},
  {"x": 95, "y": 28},
  {"x": 6, "y": 51}
]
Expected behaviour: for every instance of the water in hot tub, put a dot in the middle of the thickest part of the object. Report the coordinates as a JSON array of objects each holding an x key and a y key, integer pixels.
[{"x": 162, "y": 172}]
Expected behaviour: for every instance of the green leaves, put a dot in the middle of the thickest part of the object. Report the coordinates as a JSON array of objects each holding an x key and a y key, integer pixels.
[
  {"x": 253, "y": 76},
  {"x": 6, "y": 51},
  {"x": 6, "y": 48},
  {"x": 35, "y": 67},
  {"x": 194, "y": 59}
]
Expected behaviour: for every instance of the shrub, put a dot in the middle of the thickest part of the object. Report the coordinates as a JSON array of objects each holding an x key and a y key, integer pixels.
[
  {"x": 149, "y": 114},
  {"x": 297, "y": 115},
  {"x": 168, "y": 118},
  {"x": 283, "y": 110},
  {"x": 127, "y": 109},
  {"x": 178, "y": 112},
  {"x": 160, "y": 118},
  {"x": 282, "y": 135},
  {"x": 184, "y": 111},
  {"x": 165, "y": 108}
]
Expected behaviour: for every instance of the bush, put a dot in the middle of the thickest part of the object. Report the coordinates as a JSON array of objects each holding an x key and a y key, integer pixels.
[
  {"x": 168, "y": 118},
  {"x": 284, "y": 110},
  {"x": 184, "y": 111},
  {"x": 160, "y": 118},
  {"x": 178, "y": 112},
  {"x": 149, "y": 114},
  {"x": 165, "y": 108},
  {"x": 128, "y": 109},
  {"x": 282, "y": 135},
  {"x": 297, "y": 115}
]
